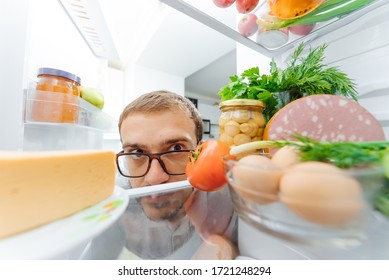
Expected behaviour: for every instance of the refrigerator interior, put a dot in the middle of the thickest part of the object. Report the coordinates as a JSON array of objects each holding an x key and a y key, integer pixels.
[{"x": 358, "y": 45}]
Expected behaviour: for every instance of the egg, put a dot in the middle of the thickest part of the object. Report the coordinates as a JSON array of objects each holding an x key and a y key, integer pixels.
[
  {"x": 321, "y": 193},
  {"x": 256, "y": 179},
  {"x": 285, "y": 157}
]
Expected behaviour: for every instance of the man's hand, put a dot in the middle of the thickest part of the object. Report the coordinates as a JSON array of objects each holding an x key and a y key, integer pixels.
[{"x": 210, "y": 212}]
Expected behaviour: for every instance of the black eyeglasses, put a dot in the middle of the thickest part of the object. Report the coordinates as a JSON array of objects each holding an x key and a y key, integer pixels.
[{"x": 135, "y": 165}]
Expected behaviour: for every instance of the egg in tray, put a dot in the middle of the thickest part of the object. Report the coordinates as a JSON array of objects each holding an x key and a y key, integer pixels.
[{"x": 287, "y": 190}]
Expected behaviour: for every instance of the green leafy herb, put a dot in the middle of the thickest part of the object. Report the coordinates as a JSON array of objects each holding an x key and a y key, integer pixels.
[
  {"x": 330, "y": 9},
  {"x": 309, "y": 76},
  {"x": 341, "y": 154},
  {"x": 303, "y": 76},
  {"x": 381, "y": 201}
]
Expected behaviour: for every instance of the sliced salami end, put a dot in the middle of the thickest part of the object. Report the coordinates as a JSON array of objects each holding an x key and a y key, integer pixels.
[{"x": 326, "y": 118}]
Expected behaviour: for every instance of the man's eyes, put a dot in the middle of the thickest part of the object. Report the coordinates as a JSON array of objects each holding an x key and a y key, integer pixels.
[{"x": 177, "y": 147}]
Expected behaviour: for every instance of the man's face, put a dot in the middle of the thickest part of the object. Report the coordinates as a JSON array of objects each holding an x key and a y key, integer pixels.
[{"x": 155, "y": 133}]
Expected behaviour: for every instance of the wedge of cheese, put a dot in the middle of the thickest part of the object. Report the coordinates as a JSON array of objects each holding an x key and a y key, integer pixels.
[{"x": 37, "y": 188}]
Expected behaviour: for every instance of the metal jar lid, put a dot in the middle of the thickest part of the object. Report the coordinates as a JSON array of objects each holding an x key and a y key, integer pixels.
[
  {"x": 242, "y": 102},
  {"x": 60, "y": 73}
]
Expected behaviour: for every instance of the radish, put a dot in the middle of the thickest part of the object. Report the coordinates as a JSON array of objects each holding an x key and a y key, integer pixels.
[
  {"x": 302, "y": 30},
  {"x": 247, "y": 25},
  {"x": 223, "y": 3},
  {"x": 246, "y": 6}
]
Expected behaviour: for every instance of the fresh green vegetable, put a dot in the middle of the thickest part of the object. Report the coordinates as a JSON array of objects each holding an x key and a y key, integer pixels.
[
  {"x": 385, "y": 163},
  {"x": 341, "y": 154},
  {"x": 309, "y": 76},
  {"x": 303, "y": 76},
  {"x": 381, "y": 201},
  {"x": 93, "y": 96},
  {"x": 328, "y": 10}
]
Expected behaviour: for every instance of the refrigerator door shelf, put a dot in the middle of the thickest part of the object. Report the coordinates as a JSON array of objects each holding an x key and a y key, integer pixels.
[
  {"x": 214, "y": 17},
  {"x": 50, "y": 108},
  {"x": 57, "y": 121}
]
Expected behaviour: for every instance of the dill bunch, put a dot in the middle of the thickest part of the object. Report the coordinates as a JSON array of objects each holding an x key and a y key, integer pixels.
[
  {"x": 303, "y": 76},
  {"x": 341, "y": 154},
  {"x": 309, "y": 75}
]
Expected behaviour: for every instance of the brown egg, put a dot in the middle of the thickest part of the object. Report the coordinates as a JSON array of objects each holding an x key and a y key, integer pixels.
[
  {"x": 256, "y": 179},
  {"x": 321, "y": 193},
  {"x": 285, "y": 157}
]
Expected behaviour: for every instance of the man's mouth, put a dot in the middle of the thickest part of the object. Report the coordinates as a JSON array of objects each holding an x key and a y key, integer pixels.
[{"x": 157, "y": 201}]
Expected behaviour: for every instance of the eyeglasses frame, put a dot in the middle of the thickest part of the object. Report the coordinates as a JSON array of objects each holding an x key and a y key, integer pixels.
[{"x": 151, "y": 156}]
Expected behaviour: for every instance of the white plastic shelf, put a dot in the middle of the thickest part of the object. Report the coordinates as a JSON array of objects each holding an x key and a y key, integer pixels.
[
  {"x": 214, "y": 18},
  {"x": 57, "y": 121}
]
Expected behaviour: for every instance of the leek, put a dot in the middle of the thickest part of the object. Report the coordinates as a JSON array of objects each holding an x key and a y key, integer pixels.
[{"x": 328, "y": 10}]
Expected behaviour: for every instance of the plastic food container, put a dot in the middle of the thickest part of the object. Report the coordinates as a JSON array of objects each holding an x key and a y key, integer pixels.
[
  {"x": 272, "y": 38},
  {"x": 62, "y": 108},
  {"x": 316, "y": 205},
  {"x": 241, "y": 121}
]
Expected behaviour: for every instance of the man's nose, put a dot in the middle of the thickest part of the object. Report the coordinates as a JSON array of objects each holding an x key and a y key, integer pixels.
[{"x": 156, "y": 174}]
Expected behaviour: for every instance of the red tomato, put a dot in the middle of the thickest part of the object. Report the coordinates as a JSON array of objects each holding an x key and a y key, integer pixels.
[{"x": 205, "y": 170}]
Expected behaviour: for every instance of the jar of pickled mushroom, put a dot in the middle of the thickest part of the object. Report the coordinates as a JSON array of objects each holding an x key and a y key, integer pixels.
[
  {"x": 56, "y": 99},
  {"x": 241, "y": 121}
]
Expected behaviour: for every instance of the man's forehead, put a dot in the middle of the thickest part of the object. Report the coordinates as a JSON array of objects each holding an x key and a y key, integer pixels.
[{"x": 157, "y": 143}]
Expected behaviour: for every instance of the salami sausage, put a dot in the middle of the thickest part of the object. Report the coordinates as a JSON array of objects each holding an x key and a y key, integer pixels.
[{"x": 327, "y": 118}]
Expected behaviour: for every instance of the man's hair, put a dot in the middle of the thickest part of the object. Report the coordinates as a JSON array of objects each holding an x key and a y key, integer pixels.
[{"x": 162, "y": 100}]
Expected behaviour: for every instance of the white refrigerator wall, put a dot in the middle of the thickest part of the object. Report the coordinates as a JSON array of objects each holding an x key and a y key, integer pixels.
[
  {"x": 13, "y": 31},
  {"x": 40, "y": 34},
  {"x": 55, "y": 42}
]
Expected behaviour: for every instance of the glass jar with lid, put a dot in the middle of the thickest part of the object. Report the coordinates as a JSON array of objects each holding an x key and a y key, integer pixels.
[
  {"x": 241, "y": 121},
  {"x": 56, "y": 99}
]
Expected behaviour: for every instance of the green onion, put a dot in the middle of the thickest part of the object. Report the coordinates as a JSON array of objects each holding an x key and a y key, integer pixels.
[
  {"x": 326, "y": 11},
  {"x": 341, "y": 154}
]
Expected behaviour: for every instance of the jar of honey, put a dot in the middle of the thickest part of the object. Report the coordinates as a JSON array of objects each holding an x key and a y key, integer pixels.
[
  {"x": 241, "y": 121},
  {"x": 56, "y": 99}
]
